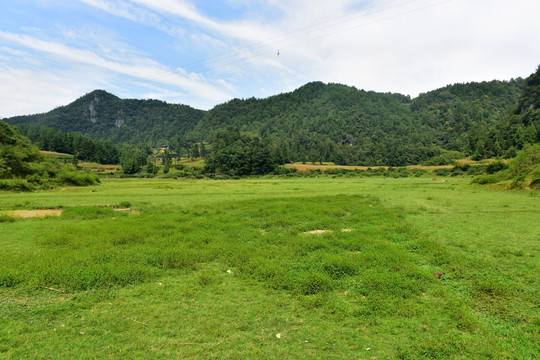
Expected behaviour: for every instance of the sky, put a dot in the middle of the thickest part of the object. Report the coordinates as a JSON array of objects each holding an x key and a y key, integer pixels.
[{"x": 204, "y": 53}]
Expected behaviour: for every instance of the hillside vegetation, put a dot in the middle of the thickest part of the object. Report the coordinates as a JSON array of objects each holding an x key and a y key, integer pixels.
[
  {"x": 22, "y": 167},
  {"x": 327, "y": 122}
]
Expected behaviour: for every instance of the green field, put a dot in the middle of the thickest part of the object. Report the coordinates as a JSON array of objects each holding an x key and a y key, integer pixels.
[{"x": 232, "y": 269}]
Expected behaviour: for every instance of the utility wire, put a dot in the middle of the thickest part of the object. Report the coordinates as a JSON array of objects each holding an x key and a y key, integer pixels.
[
  {"x": 256, "y": 50},
  {"x": 237, "y": 56}
]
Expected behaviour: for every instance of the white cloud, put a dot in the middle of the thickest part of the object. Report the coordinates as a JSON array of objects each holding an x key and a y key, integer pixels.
[
  {"x": 26, "y": 91},
  {"x": 129, "y": 11},
  {"x": 138, "y": 67},
  {"x": 406, "y": 46}
]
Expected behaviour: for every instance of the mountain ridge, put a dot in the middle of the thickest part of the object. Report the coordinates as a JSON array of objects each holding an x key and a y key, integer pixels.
[{"x": 315, "y": 122}]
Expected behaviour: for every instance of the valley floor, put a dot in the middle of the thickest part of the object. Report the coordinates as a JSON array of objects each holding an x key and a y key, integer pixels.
[{"x": 315, "y": 268}]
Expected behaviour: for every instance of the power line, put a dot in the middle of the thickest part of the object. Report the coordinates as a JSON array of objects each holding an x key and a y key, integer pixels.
[
  {"x": 239, "y": 55},
  {"x": 255, "y": 49}
]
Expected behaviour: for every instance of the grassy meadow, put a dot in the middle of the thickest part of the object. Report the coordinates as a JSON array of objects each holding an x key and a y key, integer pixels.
[{"x": 272, "y": 268}]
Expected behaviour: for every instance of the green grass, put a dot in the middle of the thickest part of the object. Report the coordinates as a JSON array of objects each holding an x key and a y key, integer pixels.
[{"x": 215, "y": 269}]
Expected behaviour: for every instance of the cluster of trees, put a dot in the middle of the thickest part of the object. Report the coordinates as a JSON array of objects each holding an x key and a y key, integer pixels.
[
  {"x": 240, "y": 155},
  {"x": 134, "y": 157},
  {"x": 82, "y": 147},
  {"x": 18, "y": 156}
]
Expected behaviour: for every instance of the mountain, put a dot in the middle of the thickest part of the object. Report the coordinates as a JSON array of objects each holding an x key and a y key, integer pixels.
[
  {"x": 449, "y": 114},
  {"x": 102, "y": 115},
  {"x": 322, "y": 122},
  {"x": 327, "y": 122}
]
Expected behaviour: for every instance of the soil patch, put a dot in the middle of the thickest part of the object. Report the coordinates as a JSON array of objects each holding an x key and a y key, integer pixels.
[
  {"x": 317, "y": 232},
  {"x": 26, "y": 214}
]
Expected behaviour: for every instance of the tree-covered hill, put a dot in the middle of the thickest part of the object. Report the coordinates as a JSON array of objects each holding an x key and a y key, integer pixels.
[
  {"x": 104, "y": 116},
  {"x": 326, "y": 122},
  {"x": 332, "y": 122},
  {"x": 454, "y": 115}
]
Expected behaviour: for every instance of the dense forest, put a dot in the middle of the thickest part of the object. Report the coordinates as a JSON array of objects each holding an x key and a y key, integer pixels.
[{"x": 323, "y": 122}]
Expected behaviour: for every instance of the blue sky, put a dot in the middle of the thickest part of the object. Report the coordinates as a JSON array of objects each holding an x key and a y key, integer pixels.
[{"x": 203, "y": 53}]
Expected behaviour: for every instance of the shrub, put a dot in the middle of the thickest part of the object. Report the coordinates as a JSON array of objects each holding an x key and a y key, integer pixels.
[
  {"x": 16, "y": 185},
  {"x": 496, "y": 167},
  {"x": 442, "y": 172},
  {"x": 124, "y": 204},
  {"x": 487, "y": 179},
  {"x": 5, "y": 218},
  {"x": 71, "y": 177}
]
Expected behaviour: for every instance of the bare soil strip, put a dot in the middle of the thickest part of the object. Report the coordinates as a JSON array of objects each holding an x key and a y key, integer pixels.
[
  {"x": 307, "y": 167},
  {"x": 26, "y": 214}
]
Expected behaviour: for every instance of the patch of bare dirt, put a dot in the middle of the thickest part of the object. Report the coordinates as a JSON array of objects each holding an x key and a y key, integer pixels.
[
  {"x": 26, "y": 214},
  {"x": 306, "y": 167},
  {"x": 317, "y": 232},
  {"x": 320, "y": 231}
]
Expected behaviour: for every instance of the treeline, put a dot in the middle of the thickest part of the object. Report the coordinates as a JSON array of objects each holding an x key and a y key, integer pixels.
[{"x": 82, "y": 147}]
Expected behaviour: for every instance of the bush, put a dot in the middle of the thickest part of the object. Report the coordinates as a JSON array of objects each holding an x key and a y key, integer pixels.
[
  {"x": 16, "y": 185},
  {"x": 442, "y": 172},
  {"x": 68, "y": 175},
  {"x": 446, "y": 158},
  {"x": 487, "y": 179},
  {"x": 5, "y": 218},
  {"x": 496, "y": 167}
]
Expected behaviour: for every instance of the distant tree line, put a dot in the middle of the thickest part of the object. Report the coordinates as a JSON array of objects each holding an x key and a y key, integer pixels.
[{"x": 82, "y": 147}]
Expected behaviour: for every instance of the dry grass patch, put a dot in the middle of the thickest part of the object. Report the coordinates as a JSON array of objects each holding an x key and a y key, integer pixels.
[{"x": 26, "y": 214}]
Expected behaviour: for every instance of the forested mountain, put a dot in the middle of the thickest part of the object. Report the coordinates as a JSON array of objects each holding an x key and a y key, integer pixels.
[
  {"x": 326, "y": 122},
  {"x": 104, "y": 116},
  {"x": 453, "y": 115},
  {"x": 523, "y": 125},
  {"x": 338, "y": 123}
]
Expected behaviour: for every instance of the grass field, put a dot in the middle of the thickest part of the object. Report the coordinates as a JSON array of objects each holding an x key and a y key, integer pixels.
[{"x": 406, "y": 268}]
